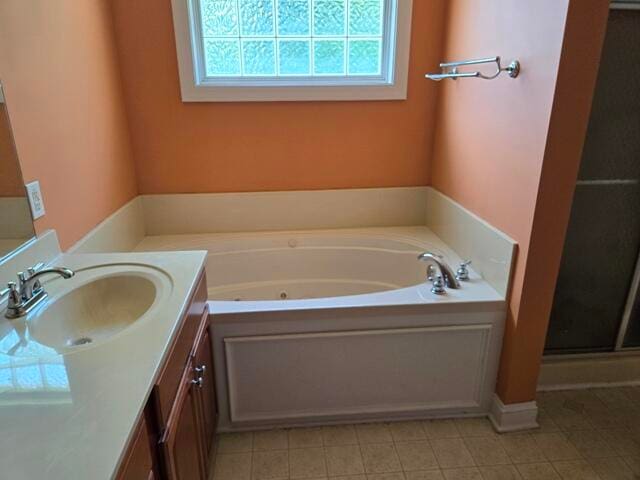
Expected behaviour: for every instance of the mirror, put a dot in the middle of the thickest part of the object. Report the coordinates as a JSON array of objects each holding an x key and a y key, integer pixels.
[{"x": 16, "y": 226}]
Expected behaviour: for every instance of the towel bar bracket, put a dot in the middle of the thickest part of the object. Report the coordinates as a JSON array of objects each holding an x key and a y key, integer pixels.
[{"x": 451, "y": 69}]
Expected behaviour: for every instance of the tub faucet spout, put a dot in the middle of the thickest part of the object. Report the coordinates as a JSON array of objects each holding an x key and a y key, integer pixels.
[{"x": 446, "y": 272}]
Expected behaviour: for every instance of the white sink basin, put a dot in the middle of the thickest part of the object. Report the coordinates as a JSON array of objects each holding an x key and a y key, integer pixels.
[
  {"x": 93, "y": 312},
  {"x": 96, "y": 304}
]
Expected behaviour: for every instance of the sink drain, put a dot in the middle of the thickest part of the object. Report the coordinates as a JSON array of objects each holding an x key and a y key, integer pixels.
[{"x": 76, "y": 342}]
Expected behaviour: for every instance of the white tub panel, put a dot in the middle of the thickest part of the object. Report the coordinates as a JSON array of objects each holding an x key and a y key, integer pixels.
[{"x": 277, "y": 378}]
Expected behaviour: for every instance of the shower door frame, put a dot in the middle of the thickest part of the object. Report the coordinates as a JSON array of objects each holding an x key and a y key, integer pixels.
[{"x": 628, "y": 308}]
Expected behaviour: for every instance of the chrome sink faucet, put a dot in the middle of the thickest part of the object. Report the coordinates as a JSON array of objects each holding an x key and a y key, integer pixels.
[
  {"x": 446, "y": 273},
  {"x": 29, "y": 292}
]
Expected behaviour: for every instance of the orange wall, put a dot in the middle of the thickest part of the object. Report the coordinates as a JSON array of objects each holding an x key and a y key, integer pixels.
[
  {"x": 59, "y": 67},
  {"x": 10, "y": 179},
  {"x": 216, "y": 147},
  {"x": 509, "y": 149}
]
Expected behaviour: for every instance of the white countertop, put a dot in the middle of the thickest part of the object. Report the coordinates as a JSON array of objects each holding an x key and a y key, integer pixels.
[{"x": 70, "y": 415}]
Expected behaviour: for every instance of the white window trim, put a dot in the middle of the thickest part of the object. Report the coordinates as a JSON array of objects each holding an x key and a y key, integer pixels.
[{"x": 192, "y": 91}]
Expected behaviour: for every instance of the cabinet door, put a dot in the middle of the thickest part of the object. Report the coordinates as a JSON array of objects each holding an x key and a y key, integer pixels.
[
  {"x": 206, "y": 388},
  {"x": 181, "y": 443},
  {"x": 138, "y": 462}
]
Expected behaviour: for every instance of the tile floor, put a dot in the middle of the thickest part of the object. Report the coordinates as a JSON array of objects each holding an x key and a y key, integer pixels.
[{"x": 583, "y": 435}]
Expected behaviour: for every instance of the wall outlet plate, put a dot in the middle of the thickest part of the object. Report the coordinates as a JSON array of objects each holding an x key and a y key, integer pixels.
[{"x": 35, "y": 199}]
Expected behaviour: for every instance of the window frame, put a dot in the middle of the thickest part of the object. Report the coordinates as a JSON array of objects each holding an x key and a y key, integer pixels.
[{"x": 391, "y": 85}]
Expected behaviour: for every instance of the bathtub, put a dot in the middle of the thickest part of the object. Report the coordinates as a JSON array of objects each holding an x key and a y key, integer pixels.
[{"x": 332, "y": 326}]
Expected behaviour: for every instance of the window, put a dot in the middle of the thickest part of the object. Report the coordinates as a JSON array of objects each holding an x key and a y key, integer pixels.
[{"x": 261, "y": 50}]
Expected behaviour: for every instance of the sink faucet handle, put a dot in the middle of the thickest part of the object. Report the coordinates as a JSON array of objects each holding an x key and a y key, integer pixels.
[
  {"x": 32, "y": 271},
  {"x": 12, "y": 293},
  {"x": 37, "y": 267}
]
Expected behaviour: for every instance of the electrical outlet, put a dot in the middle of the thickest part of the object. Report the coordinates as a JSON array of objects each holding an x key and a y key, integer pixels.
[{"x": 35, "y": 199}]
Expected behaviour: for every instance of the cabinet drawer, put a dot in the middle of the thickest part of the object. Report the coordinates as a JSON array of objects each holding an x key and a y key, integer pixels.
[{"x": 166, "y": 386}]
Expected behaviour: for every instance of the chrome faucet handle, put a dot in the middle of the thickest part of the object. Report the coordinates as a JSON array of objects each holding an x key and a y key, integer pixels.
[
  {"x": 22, "y": 282},
  {"x": 463, "y": 272},
  {"x": 438, "y": 286},
  {"x": 12, "y": 293},
  {"x": 6, "y": 291},
  {"x": 32, "y": 271},
  {"x": 37, "y": 267}
]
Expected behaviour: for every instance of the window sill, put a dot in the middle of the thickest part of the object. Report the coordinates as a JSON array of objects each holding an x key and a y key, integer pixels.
[{"x": 214, "y": 93}]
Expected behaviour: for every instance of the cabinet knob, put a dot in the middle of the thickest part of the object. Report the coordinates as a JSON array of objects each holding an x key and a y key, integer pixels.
[{"x": 198, "y": 382}]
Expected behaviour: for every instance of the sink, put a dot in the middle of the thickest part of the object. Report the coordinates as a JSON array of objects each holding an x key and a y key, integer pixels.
[{"x": 94, "y": 311}]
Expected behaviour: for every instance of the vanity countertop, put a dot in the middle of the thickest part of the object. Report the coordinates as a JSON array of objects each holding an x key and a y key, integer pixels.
[{"x": 70, "y": 415}]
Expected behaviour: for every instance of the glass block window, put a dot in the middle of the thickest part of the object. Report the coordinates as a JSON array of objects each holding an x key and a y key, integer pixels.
[
  {"x": 292, "y": 50},
  {"x": 293, "y": 38}
]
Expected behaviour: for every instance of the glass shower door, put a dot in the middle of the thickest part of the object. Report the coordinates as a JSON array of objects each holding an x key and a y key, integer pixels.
[{"x": 603, "y": 238}]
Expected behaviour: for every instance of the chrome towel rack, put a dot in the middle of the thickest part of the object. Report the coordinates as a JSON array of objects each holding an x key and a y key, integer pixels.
[{"x": 450, "y": 69}]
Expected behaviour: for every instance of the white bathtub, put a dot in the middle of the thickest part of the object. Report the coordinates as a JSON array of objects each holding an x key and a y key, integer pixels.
[{"x": 334, "y": 326}]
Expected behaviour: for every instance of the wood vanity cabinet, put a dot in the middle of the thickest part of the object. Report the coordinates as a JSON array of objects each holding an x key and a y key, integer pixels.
[
  {"x": 139, "y": 460},
  {"x": 182, "y": 445},
  {"x": 207, "y": 393},
  {"x": 180, "y": 417}
]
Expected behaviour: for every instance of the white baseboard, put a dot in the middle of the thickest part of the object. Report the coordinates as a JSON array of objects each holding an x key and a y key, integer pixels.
[
  {"x": 120, "y": 232},
  {"x": 513, "y": 417}
]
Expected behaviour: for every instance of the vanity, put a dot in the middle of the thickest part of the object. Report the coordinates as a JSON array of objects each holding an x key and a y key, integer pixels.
[
  {"x": 111, "y": 377},
  {"x": 174, "y": 435}
]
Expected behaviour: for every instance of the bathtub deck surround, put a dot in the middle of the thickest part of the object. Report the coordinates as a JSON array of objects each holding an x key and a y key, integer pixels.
[
  {"x": 163, "y": 215},
  {"x": 325, "y": 268},
  {"x": 331, "y": 308},
  {"x": 288, "y": 210},
  {"x": 72, "y": 411}
]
